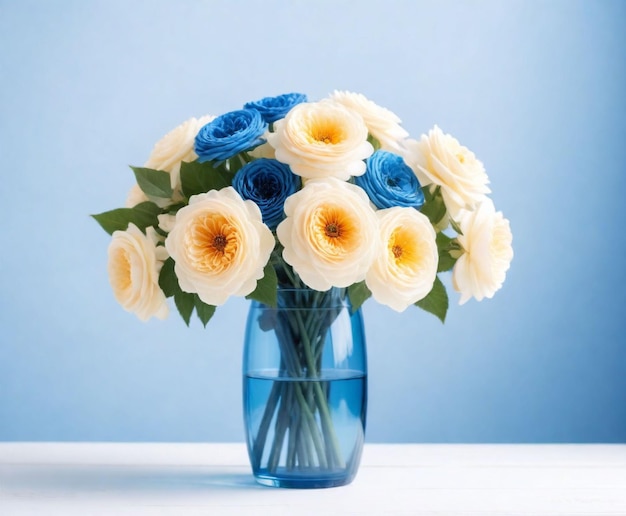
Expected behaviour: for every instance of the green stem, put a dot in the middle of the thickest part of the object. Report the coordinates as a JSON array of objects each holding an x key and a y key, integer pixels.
[
  {"x": 326, "y": 420},
  {"x": 312, "y": 427},
  {"x": 282, "y": 420},
  {"x": 270, "y": 408}
]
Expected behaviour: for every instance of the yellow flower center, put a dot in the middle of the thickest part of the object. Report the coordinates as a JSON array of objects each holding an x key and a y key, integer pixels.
[
  {"x": 326, "y": 132},
  {"x": 121, "y": 270},
  {"x": 333, "y": 231},
  {"x": 212, "y": 242},
  {"x": 405, "y": 248}
]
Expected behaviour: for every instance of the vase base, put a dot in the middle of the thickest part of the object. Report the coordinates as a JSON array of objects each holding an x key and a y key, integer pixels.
[{"x": 303, "y": 481}]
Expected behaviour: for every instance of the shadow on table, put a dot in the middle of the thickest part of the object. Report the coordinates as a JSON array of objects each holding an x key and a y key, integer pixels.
[{"x": 118, "y": 480}]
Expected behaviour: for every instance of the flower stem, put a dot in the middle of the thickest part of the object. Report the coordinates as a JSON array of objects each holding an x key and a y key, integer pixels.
[{"x": 327, "y": 425}]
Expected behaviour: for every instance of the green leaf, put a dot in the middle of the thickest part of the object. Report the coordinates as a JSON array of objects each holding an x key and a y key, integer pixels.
[
  {"x": 173, "y": 209},
  {"x": 204, "y": 311},
  {"x": 446, "y": 261},
  {"x": 155, "y": 183},
  {"x": 185, "y": 303},
  {"x": 443, "y": 240},
  {"x": 436, "y": 302},
  {"x": 197, "y": 178},
  {"x": 143, "y": 215},
  {"x": 358, "y": 293},
  {"x": 374, "y": 141},
  {"x": 167, "y": 279},
  {"x": 266, "y": 291},
  {"x": 433, "y": 207}
]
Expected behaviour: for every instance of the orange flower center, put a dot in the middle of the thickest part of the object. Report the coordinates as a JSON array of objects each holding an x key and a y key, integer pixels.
[
  {"x": 121, "y": 270},
  {"x": 326, "y": 132},
  {"x": 405, "y": 248},
  {"x": 333, "y": 231},
  {"x": 212, "y": 242}
]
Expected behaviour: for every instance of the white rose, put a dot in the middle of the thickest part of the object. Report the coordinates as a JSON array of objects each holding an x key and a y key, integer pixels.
[
  {"x": 486, "y": 239},
  {"x": 134, "y": 265},
  {"x": 135, "y": 196},
  {"x": 322, "y": 139},
  {"x": 175, "y": 147},
  {"x": 439, "y": 159},
  {"x": 220, "y": 246},
  {"x": 406, "y": 268},
  {"x": 382, "y": 123},
  {"x": 166, "y": 222},
  {"x": 330, "y": 234}
]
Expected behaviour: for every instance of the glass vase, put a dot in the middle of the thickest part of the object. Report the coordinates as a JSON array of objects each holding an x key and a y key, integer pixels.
[{"x": 305, "y": 389}]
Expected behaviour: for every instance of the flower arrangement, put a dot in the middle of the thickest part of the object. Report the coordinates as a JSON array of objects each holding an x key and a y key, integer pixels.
[
  {"x": 287, "y": 192},
  {"x": 312, "y": 205}
]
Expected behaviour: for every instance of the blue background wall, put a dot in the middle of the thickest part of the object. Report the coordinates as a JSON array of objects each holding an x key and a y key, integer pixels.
[{"x": 535, "y": 89}]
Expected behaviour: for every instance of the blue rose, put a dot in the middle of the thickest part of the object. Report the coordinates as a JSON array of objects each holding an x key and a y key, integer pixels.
[
  {"x": 275, "y": 108},
  {"x": 390, "y": 182},
  {"x": 229, "y": 134},
  {"x": 268, "y": 183}
]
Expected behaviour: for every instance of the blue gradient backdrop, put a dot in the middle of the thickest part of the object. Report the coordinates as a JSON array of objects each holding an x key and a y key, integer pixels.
[{"x": 535, "y": 89}]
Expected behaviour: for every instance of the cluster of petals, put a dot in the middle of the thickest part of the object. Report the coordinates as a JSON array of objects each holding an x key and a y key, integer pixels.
[
  {"x": 382, "y": 124},
  {"x": 322, "y": 139},
  {"x": 329, "y": 235},
  {"x": 308, "y": 177},
  {"x": 439, "y": 159},
  {"x": 406, "y": 267},
  {"x": 486, "y": 240},
  {"x": 134, "y": 263},
  {"x": 175, "y": 147},
  {"x": 220, "y": 246}
]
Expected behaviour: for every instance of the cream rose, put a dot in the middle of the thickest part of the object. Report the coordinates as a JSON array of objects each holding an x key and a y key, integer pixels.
[
  {"x": 441, "y": 160},
  {"x": 135, "y": 196},
  {"x": 406, "y": 267},
  {"x": 486, "y": 239},
  {"x": 175, "y": 147},
  {"x": 220, "y": 246},
  {"x": 383, "y": 124},
  {"x": 330, "y": 234},
  {"x": 322, "y": 139},
  {"x": 134, "y": 265}
]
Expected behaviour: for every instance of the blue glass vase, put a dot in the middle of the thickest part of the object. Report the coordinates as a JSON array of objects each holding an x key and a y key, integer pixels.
[{"x": 305, "y": 389}]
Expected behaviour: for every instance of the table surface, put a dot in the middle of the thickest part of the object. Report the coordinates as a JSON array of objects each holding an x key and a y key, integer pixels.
[{"x": 399, "y": 479}]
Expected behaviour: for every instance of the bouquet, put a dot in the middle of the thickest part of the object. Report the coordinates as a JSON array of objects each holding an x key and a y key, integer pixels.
[
  {"x": 287, "y": 192},
  {"x": 313, "y": 204}
]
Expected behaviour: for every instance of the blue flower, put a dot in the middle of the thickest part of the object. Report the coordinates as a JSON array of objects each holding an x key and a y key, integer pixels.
[
  {"x": 268, "y": 183},
  {"x": 390, "y": 182},
  {"x": 275, "y": 108},
  {"x": 229, "y": 134}
]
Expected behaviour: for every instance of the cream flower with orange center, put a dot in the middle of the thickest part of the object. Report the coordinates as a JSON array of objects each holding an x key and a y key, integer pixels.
[
  {"x": 486, "y": 239},
  {"x": 439, "y": 159},
  {"x": 383, "y": 124},
  {"x": 322, "y": 139},
  {"x": 330, "y": 233},
  {"x": 134, "y": 264},
  {"x": 220, "y": 246},
  {"x": 405, "y": 270}
]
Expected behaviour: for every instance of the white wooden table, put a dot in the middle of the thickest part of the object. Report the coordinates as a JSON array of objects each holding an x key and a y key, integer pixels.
[{"x": 401, "y": 479}]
